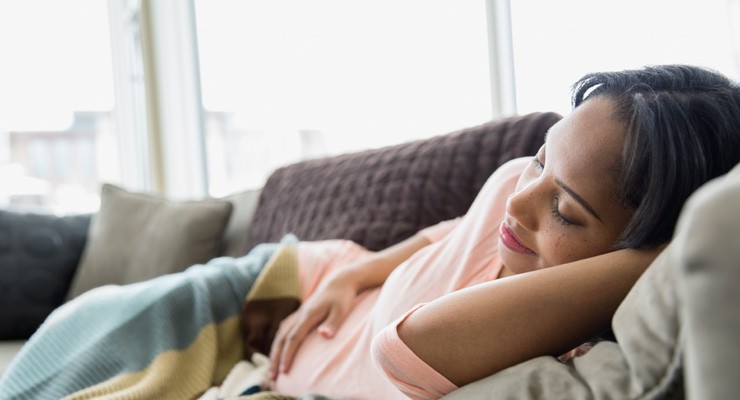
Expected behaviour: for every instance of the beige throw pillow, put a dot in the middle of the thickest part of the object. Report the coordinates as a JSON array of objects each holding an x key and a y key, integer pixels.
[{"x": 135, "y": 237}]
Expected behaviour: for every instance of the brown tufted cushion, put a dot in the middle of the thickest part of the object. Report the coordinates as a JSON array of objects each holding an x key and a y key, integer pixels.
[{"x": 379, "y": 197}]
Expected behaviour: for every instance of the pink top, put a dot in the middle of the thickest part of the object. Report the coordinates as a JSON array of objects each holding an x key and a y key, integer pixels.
[{"x": 463, "y": 253}]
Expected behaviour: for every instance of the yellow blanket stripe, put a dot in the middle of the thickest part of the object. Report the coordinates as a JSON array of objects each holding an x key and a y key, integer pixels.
[
  {"x": 174, "y": 374},
  {"x": 279, "y": 278},
  {"x": 187, "y": 373}
]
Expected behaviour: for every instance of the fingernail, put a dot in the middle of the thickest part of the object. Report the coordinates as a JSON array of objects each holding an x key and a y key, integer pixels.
[{"x": 325, "y": 331}]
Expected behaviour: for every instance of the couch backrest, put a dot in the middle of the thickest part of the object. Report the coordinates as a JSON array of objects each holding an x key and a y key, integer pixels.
[{"x": 379, "y": 197}]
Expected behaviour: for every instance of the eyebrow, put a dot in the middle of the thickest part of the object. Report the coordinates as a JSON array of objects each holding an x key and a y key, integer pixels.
[{"x": 578, "y": 198}]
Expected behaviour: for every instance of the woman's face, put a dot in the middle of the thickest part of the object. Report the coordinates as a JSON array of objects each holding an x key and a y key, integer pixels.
[{"x": 565, "y": 207}]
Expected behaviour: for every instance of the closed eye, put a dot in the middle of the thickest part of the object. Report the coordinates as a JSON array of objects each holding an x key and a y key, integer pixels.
[
  {"x": 538, "y": 164},
  {"x": 555, "y": 211}
]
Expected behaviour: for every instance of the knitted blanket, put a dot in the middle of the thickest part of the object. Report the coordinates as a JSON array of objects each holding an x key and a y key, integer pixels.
[{"x": 173, "y": 337}]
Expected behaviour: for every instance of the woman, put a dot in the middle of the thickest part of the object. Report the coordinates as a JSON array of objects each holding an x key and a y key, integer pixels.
[{"x": 599, "y": 201}]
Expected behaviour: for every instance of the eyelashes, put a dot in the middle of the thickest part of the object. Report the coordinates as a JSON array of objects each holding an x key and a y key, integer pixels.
[
  {"x": 554, "y": 210},
  {"x": 538, "y": 164}
]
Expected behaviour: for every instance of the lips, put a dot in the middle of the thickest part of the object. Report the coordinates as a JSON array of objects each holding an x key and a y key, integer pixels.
[{"x": 509, "y": 239}]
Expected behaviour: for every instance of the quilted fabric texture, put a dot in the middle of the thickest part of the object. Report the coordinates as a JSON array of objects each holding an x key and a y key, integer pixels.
[
  {"x": 379, "y": 197},
  {"x": 38, "y": 256}
]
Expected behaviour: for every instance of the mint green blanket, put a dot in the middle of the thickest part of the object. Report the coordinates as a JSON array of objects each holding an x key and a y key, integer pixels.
[{"x": 165, "y": 338}]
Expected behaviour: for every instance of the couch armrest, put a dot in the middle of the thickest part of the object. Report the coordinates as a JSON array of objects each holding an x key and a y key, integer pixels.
[{"x": 710, "y": 245}]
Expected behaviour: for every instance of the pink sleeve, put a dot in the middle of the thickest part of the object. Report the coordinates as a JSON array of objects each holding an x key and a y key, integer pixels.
[
  {"x": 404, "y": 369},
  {"x": 435, "y": 233}
]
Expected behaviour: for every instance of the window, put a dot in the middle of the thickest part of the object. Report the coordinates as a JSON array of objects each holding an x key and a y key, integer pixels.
[
  {"x": 556, "y": 43},
  {"x": 57, "y": 139},
  {"x": 288, "y": 80},
  {"x": 282, "y": 81}
]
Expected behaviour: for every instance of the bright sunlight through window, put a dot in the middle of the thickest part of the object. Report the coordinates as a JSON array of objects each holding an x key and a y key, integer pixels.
[
  {"x": 289, "y": 80},
  {"x": 56, "y": 100},
  {"x": 556, "y": 43}
]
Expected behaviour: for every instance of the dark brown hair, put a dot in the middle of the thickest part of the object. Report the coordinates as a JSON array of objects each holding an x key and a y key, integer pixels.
[{"x": 683, "y": 129}]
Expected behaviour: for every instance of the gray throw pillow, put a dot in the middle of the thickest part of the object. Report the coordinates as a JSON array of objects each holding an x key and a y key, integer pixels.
[{"x": 135, "y": 237}]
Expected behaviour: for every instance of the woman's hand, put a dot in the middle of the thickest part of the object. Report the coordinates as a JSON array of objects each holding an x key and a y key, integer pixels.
[
  {"x": 327, "y": 308},
  {"x": 325, "y": 311}
]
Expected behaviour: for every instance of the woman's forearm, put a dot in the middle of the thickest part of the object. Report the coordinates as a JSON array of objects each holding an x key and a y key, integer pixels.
[
  {"x": 374, "y": 270},
  {"x": 478, "y": 331}
]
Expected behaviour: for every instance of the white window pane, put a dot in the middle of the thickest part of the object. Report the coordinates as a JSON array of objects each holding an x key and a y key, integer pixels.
[
  {"x": 56, "y": 100},
  {"x": 556, "y": 43},
  {"x": 282, "y": 80}
]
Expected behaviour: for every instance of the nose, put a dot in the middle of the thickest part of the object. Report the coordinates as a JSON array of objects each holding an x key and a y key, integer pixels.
[{"x": 520, "y": 207}]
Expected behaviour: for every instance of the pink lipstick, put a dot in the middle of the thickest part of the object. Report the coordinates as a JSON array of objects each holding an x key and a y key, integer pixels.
[{"x": 509, "y": 239}]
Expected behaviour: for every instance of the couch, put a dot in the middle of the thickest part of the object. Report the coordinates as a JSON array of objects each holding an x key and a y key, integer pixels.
[
  {"x": 375, "y": 198},
  {"x": 676, "y": 331}
]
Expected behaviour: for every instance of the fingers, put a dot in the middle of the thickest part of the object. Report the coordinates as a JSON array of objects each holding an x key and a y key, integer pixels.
[
  {"x": 275, "y": 353},
  {"x": 277, "y": 345},
  {"x": 288, "y": 339},
  {"x": 294, "y": 338},
  {"x": 332, "y": 322},
  {"x": 294, "y": 329}
]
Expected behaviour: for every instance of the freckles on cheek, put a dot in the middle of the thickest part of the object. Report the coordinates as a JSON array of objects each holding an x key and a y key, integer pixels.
[
  {"x": 556, "y": 249},
  {"x": 575, "y": 249},
  {"x": 563, "y": 250}
]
